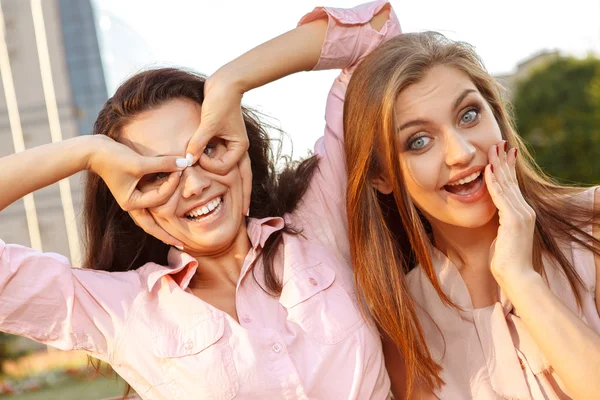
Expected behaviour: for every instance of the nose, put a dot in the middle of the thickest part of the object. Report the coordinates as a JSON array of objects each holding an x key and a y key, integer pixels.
[
  {"x": 459, "y": 149},
  {"x": 195, "y": 180}
]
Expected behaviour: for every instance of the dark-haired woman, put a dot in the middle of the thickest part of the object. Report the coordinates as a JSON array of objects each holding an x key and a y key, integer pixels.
[{"x": 252, "y": 307}]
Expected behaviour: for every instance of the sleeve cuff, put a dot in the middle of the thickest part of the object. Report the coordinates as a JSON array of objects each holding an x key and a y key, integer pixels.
[
  {"x": 346, "y": 16},
  {"x": 348, "y": 37}
]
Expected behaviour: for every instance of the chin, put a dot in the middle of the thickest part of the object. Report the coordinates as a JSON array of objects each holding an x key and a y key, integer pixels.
[
  {"x": 214, "y": 241},
  {"x": 475, "y": 217}
]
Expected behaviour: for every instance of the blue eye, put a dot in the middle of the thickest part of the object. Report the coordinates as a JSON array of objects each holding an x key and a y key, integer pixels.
[
  {"x": 470, "y": 116},
  {"x": 419, "y": 142}
]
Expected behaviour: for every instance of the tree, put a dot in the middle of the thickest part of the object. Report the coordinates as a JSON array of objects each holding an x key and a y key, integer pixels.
[{"x": 557, "y": 110}]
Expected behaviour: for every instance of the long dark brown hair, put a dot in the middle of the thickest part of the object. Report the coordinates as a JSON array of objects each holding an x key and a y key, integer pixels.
[
  {"x": 115, "y": 243},
  {"x": 388, "y": 234}
]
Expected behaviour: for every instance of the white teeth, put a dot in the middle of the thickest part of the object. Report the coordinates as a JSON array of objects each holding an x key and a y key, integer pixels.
[
  {"x": 468, "y": 179},
  {"x": 205, "y": 209}
]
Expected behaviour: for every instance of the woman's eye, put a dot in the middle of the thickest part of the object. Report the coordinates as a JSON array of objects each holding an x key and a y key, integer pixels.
[
  {"x": 156, "y": 177},
  {"x": 210, "y": 149},
  {"x": 419, "y": 143},
  {"x": 470, "y": 116}
]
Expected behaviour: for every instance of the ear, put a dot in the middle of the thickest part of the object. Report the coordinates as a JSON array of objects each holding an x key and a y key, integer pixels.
[{"x": 382, "y": 184}]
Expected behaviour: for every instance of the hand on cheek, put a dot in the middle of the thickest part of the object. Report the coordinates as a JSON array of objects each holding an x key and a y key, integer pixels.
[{"x": 511, "y": 253}]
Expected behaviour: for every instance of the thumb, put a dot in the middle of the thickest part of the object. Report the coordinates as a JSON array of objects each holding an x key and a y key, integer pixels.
[
  {"x": 163, "y": 164},
  {"x": 198, "y": 142}
]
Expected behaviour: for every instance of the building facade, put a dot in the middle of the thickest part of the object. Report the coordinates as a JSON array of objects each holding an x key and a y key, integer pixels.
[{"x": 55, "y": 69}]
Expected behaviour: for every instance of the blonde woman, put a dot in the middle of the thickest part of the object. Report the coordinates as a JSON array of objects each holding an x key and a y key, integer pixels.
[{"x": 502, "y": 293}]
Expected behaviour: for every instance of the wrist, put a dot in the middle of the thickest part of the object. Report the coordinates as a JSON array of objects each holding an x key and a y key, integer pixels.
[
  {"x": 91, "y": 148},
  {"x": 521, "y": 282},
  {"x": 227, "y": 79}
]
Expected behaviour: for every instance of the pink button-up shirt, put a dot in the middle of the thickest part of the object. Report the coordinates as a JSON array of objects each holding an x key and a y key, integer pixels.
[
  {"x": 487, "y": 353},
  {"x": 310, "y": 343}
]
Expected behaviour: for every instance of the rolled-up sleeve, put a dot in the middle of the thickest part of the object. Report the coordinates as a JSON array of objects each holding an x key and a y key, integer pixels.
[
  {"x": 45, "y": 299},
  {"x": 349, "y": 38}
]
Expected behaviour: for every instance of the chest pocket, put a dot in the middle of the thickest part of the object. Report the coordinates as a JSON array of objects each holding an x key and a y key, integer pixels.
[
  {"x": 198, "y": 360},
  {"x": 320, "y": 305}
]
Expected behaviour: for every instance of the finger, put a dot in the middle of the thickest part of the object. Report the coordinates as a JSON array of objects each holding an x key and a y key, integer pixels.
[
  {"x": 144, "y": 220},
  {"x": 512, "y": 165},
  {"x": 246, "y": 172},
  {"x": 501, "y": 180},
  {"x": 497, "y": 193},
  {"x": 501, "y": 170},
  {"x": 511, "y": 160},
  {"x": 229, "y": 159},
  {"x": 198, "y": 142},
  {"x": 156, "y": 197},
  {"x": 162, "y": 164},
  {"x": 502, "y": 174},
  {"x": 507, "y": 177}
]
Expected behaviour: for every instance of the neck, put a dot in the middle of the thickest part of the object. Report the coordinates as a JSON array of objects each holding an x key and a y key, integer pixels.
[
  {"x": 467, "y": 248},
  {"x": 222, "y": 268}
]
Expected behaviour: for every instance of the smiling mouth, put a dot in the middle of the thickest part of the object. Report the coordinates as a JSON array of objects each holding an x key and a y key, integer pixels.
[
  {"x": 466, "y": 186},
  {"x": 207, "y": 211}
]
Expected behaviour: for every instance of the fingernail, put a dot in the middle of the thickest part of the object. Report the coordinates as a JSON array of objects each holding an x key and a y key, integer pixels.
[
  {"x": 505, "y": 146},
  {"x": 248, "y": 212},
  {"x": 516, "y": 151},
  {"x": 190, "y": 159},
  {"x": 180, "y": 248},
  {"x": 181, "y": 162},
  {"x": 492, "y": 168},
  {"x": 497, "y": 151}
]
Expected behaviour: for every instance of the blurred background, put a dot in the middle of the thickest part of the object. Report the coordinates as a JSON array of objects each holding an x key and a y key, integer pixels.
[{"x": 61, "y": 59}]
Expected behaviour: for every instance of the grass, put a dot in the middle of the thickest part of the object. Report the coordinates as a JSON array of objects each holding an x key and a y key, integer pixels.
[{"x": 74, "y": 389}]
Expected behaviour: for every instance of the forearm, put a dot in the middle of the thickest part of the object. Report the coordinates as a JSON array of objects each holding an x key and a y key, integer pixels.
[
  {"x": 33, "y": 169},
  {"x": 294, "y": 51},
  {"x": 571, "y": 347}
]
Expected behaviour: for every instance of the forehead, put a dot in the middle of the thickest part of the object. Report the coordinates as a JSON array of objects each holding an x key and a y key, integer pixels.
[
  {"x": 163, "y": 130},
  {"x": 440, "y": 86}
]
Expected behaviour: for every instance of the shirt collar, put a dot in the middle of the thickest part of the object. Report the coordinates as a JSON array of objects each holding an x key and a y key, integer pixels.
[
  {"x": 182, "y": 266},
  {"x": 259, "y": 230}
]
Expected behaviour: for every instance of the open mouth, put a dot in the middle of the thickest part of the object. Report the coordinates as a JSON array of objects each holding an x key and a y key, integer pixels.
[
  {"x": 207, "y": 211},
  {"x": 466, "y": 186}
]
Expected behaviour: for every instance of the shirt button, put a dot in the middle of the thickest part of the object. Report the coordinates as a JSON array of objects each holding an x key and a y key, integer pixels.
[
  {"x": 277, "y": 347},
  {"x": 189, "y": 344},
  {"x": 313, "y": 281},
  {"x": 246, "y": 319}
]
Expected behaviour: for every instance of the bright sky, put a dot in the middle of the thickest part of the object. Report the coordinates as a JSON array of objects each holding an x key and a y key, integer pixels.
[{"x": 203, "y": 35}]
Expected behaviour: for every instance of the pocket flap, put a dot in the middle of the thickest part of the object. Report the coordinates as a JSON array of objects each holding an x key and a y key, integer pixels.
[
  {"x": 305, "y": 283},
  {"x": 175, "y": 342}
]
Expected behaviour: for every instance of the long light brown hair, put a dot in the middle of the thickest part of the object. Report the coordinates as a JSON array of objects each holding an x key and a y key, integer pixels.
[{"x": 388, "y": 235}]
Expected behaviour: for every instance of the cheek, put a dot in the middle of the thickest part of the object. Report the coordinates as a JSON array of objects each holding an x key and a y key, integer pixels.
[
  {"x": 167, "y": 210},
  {"x": 421, "y": 172},
  {"x": 489, "y": 132}
]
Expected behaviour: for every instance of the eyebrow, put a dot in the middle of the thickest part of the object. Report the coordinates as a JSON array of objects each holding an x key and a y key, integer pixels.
[
  {"x": 462, "y": 96},
  {"x": 455, "y": 105}
]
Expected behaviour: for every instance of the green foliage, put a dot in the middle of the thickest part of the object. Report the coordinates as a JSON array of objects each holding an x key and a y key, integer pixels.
[{"x": 557, "y": 108}]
